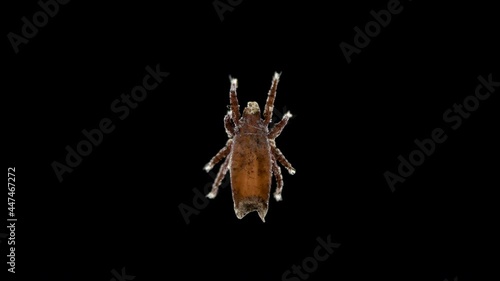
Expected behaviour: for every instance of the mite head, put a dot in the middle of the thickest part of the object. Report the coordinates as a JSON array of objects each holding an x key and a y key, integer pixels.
[
  {"x": 250, "y": 204},
  {"x": 252, "y": 109}
]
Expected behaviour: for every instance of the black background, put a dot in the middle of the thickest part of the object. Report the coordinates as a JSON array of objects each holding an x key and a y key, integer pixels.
[{"x": 120, "y": 206}]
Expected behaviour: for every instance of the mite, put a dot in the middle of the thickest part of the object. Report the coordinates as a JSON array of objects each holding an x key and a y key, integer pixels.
[{"x": 251, "y": 155}]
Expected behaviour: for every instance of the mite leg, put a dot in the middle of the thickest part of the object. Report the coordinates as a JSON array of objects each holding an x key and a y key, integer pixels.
[
  {"x": 229, "y": 125},
  {"x": 271, "y": 96},
  {"x": 233, "y": 100},
  {"x": 278, "y": 127},
  {"x": 279, "y": 179},
  {"x": 219, "y": 156},
  {"x": 218, "y": 180},
  {"x": 281, "y": 158}
]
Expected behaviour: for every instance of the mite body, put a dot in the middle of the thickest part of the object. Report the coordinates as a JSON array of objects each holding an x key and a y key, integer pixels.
[{"x": 251, "y": 155}]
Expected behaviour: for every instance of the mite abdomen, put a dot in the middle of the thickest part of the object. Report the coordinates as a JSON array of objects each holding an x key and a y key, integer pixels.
[{"x": 251, "y": 174}]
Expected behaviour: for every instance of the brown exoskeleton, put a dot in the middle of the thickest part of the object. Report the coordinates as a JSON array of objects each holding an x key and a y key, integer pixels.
[{"x": 251, "y": 154}]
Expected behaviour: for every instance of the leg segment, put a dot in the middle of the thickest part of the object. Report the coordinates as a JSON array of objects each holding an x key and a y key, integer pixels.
[
  {"x": 233, "y": 100},
  {"x": 279, "y": 179},
  {"x": 281, "y": 158},
  {"x": 218, "y": 180},
  {"x": 219, "y": 156},
  {"x": 278, "y": 127},
  {"x": 271, "y": 96},
  {"x": 228, "y": 125}
]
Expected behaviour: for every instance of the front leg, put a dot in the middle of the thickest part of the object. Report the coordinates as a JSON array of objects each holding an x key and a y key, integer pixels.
[
  {"x": 233, "y": 101},
  {"x": 271, "y": 96}
]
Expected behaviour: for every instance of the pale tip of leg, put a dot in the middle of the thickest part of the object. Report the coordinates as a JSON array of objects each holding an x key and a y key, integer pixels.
[
  {"x": 277, "y": 196},
  {"x": 291, "y": 171},
  {"x": 212, "y": 194},
  {"x": 276, "y": 75},
  {"x": 207, "y": 168},
  {"x": 288, "y": 114},
  {"x": 234, "y": 82}
]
